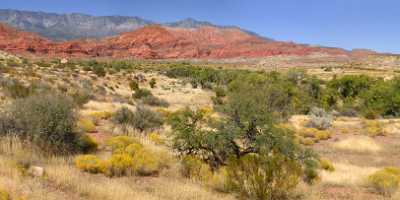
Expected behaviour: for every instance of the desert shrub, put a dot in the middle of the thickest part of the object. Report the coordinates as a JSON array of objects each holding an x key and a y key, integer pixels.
[
  {"x": 320, "y": 119},
  {"x": 251, "y": 176},
  {"x": 374, "y": 128},
  {"x": 99, "y": 70},
  {"x": 385, "y": 181},
  {"x": 123, "y": 117},
  {"x": 90, "y": 163},
  {"x": 381, "y": 100},
  {"x": 146, "y": 162},
  {"x": 81, "y": 96},
  {"x": 86, "y": 125},
  {"x": 98, "y": 115},
  {"x": 153, "y": 83},
  {"x": 154, "y": 101},
  {"x": 120, "y": 142},
  {"x": 119, "y": 165},
  {"x": 144, "y": 119},
  {"x": 15, "y": 89},
  {"x": 307, "y": 141},
  {"x": 195, "y": 169},
  {"x": 4, "y": 195},
  {"x": 156, "y": 138},
  {"x": 350, "y": 86},
  {"x": 86, "y": 144},
  {"x": 269, "y": 147},
  {"x": 219, "y": 180},
  {"x": 134, "y": 85},
  {"x": 131, "y": 149},
  {"x": 220, "y": 92},
  {"x": 141, "y": 93},
  {"x": 314, "y": 135},
  {"x": 326, "y": 164},
  {"x": 48, "y": 121}
]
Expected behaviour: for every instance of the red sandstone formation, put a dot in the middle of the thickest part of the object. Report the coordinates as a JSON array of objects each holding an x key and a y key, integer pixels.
[{"x": 157, "y": 42}]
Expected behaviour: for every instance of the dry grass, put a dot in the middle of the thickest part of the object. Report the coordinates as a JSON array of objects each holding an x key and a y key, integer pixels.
[
  {"x": 361, "y": 144},
  {"x": 347, "y": 174},
  {"x": 64, "y": 181}
]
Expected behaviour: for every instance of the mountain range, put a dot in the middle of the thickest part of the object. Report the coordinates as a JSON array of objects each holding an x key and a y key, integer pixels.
[
  {"x": 77, "y": 26},
  {"x": 83, "y": 35}
]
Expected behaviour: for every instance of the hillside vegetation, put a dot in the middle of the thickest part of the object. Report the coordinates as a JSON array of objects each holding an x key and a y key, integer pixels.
[{"x": 128, "y": 129}]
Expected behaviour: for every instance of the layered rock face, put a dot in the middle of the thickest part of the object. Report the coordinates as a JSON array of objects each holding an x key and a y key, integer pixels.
[{"x": 159, "y": 42}]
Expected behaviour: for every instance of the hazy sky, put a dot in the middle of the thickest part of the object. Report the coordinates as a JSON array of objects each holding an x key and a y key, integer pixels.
[{"x": 373, "y": 24}]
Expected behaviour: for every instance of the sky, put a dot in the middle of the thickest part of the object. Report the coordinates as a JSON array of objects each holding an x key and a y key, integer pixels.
[{"x": 371, "y": 24}]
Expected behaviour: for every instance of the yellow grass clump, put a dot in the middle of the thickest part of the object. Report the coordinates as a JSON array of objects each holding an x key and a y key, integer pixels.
[
  {"x": 326, "y": 164},
  {"x": 374, "y": 128},
  {"x": 346, "y": 174},
  {"x": 4, "y": 195},
  {"x": 385, "y": 181},
  {"x": 360, "y": 144},
  {"x": 87, "y": 125},
  {"x": 90, "y": 163}
]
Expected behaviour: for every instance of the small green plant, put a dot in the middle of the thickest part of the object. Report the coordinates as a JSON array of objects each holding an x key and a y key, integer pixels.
[
  {"x": 141, "y": 93},
  {"x": 134, "y": 85},
  {"x": 153, "y": 83}
]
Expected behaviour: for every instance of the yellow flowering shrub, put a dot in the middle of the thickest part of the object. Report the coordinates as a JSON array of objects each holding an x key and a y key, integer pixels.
[{"x": 90, "y": 163}]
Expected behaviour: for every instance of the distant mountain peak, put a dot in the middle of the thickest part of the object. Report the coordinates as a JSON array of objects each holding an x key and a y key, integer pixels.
[
  {"x": 189, "y": 23},
  {"x": 78, "y": 26}
]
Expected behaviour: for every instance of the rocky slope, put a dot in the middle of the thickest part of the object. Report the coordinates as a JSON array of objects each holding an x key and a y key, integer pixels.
[{"x": 158, "y": 42}]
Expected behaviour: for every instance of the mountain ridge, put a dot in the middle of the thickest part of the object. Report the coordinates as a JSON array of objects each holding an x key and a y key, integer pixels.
[{"x": 71, "y": 26}]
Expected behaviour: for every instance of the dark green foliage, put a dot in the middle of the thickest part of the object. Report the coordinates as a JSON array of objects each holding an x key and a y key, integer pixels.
[
  {"x": 141, "y": 93},
  {"x": 152, "y": 83},
  {"x": 350, "y": 86},
  {"x": 382, "y": 99},
  {"x": 99, "y": 70},
  {"x": 134, "y": 85},
  {"x": 48, "y": 121},
  {"x": 146, "y": 119},
  {"x": 142, "y": 119}
]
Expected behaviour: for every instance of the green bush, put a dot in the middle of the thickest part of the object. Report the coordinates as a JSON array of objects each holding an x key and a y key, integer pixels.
[
  {"x": 99, "y": 70},
  {"x": 144, "y": 119},
  {"x": 264, "y": 177},
  {"x": 49, "y": 121},
  {"x": 141, "y": 93},
  {"x": 134, "y": 85},
  {"x": 153, "y": 83}
]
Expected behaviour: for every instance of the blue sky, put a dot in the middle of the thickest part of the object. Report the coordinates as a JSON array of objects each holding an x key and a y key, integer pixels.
[{"x": 373, "y": 24}]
